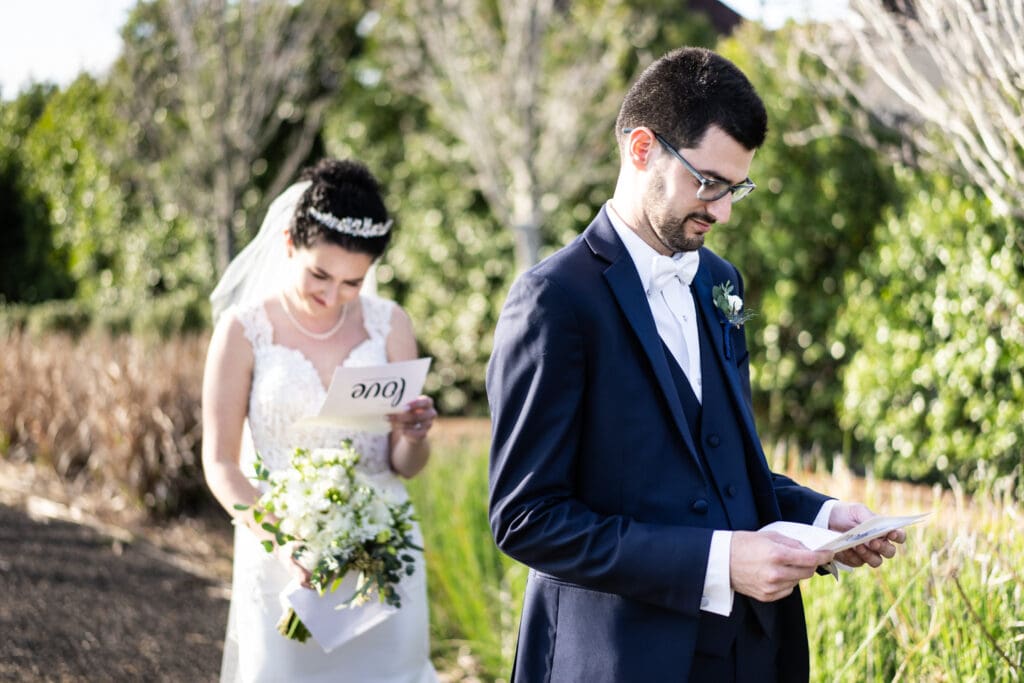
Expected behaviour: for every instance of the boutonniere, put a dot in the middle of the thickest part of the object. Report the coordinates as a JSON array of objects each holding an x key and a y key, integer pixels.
[{"x": 730, "y": 311}]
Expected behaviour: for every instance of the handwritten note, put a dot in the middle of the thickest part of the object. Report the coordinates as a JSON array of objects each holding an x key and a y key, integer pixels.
[
  {"x": 362, "y": 397},
  {"x": 817, "y": 538}
]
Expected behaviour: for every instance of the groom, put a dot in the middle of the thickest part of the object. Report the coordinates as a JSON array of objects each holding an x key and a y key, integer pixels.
[{"x": 626, "y": 470}]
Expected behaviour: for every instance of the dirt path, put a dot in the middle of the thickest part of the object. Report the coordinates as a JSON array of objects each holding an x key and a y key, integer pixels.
[
  {"x": 76, "y": 605},
  {"x": 85, "y": 599}
]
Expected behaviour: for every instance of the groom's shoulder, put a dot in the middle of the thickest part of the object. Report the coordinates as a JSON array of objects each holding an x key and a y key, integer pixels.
[
  {"x": 570, "y": 269},
  {"x": 716, "y": 264}
]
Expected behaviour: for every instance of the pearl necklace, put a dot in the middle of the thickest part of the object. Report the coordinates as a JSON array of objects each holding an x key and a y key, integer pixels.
[{"x": 320, "y": 336}]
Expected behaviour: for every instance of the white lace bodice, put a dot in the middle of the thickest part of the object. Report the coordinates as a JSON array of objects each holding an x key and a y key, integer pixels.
[{"x": 286, "y": 388}]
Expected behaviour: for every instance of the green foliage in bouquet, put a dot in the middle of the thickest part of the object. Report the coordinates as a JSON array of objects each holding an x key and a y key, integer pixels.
[{"x": 340, "y": 520}]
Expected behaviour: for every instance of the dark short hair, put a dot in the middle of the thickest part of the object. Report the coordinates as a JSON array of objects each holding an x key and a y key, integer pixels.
[
  {"x": 343, "y": 188},
  {"x": 688, "y": 90}
]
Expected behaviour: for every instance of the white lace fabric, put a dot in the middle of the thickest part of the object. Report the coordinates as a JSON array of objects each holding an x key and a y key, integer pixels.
[{"x": 286, "y": 388}]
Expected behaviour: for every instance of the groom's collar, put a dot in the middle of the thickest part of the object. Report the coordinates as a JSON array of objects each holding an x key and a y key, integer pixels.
[
  {"x": 601, "y": 238},
  {"x": 641, "y": 253}
]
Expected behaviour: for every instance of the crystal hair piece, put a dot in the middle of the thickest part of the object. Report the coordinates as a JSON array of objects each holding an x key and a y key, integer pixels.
[{"x": 357, "y": 227}]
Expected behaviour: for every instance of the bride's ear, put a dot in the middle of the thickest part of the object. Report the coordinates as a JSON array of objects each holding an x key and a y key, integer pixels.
[{"x": 288, "y": 243}]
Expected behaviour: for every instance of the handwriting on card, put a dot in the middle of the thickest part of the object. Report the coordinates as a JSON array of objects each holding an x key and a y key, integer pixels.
[{"x": 390, "y": 388}]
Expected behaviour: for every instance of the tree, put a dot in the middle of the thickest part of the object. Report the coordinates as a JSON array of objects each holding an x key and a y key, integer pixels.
[
  {"x": 452, "y": 259},
  {"x": 31, "y": 269},
  {"x": 225, "y": 92},
  {"x": 944, "y": 74},
  {"x": 936, "y": 386},
  {"x": 530, "y": 89},
  {"x": 796, "y": 238}
]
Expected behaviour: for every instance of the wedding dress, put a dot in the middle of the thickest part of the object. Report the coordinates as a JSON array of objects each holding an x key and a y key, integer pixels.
[{"x": 286, "y": 387}]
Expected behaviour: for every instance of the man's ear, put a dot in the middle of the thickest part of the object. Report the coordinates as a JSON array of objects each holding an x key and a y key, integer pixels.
[{"x": 639, "y": 143}]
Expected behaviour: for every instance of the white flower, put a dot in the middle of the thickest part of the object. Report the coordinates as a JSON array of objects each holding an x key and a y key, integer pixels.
[
  {"x": 340, "y": 519},
  {"x": 735, "y": 304}
]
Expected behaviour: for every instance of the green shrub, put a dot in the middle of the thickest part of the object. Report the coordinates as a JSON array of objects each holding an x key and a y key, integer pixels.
[
  {"x": 13, "y": 318},
  {"x": 183, "y": 312},
  {"x": 51, "y": 317},
  {"x": 818, "y": 200},
  {"x": 936, "y": 384}
]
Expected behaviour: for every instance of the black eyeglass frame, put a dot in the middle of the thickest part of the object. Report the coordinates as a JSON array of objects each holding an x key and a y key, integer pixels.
[{"x": 738, "y": 191}]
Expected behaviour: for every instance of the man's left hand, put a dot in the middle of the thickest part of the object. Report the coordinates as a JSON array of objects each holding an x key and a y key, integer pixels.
[{"x": 844, "y": 517}]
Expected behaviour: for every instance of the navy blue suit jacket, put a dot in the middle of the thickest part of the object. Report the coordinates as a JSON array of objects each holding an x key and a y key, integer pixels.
[{"x": 596, "y": 483}]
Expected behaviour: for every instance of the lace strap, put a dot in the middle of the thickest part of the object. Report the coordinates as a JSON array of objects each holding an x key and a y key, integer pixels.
[
  {"x": 377, "y": 316},
  {"x": 256, "y": 324}
]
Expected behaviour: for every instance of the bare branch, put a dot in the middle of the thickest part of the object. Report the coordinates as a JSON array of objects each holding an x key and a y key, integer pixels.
[
  {"x": 535, "y": 124},
  {"x": 947, "y": 74}
]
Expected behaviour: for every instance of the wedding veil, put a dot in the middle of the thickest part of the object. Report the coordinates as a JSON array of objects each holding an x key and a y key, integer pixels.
[{"x": 261, "y": 268}]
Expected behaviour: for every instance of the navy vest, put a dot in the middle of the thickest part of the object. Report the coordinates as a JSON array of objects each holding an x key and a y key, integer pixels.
[{"x": 717, "y": 432}]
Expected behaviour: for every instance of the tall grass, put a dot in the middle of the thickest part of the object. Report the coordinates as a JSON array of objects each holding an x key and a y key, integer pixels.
[
  {"x": 950, "y": 607},
  {"x": 475, "y": 591},
  {"x": 123, "y": 414},
  {"x": 117, "y": 414}
]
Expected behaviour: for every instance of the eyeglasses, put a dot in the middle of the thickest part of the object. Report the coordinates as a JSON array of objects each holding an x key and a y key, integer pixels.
[{"x": 710, "y": 190}]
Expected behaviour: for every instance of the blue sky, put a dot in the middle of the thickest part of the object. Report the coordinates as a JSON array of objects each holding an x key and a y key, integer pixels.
[
  {"x": 774, "y": 13},
  {"x": 55, "y": 40}
]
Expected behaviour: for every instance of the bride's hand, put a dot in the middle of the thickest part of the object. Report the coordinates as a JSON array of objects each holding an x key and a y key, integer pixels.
[
  {"x": 416, "y": 420},
  {"x": 284, "y": 554}
]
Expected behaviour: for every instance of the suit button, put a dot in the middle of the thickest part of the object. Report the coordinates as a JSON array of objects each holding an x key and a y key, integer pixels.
[
  {"x": 713, "y": 440},
  {"x": 700, "y": 506},
  {"x": 730, "y": 490}
]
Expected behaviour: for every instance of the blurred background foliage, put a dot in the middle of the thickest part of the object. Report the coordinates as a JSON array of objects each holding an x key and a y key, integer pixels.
[{"x": 888, "y": 297}]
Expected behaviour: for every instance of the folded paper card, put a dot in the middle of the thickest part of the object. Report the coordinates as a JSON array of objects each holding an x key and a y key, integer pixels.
[
  {"x": 329, "y": 619},
  {"x": 817, "y": 538},
  {"x": 362, "y": 397}
]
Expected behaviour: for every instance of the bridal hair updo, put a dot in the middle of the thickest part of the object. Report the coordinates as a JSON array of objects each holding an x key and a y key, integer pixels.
[{"x": 342, "y": 206}]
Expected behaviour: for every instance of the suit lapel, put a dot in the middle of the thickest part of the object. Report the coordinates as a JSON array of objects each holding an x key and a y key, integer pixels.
[
  {"x": 625, "y": 284},
  {"x": 703, "y": 283}
]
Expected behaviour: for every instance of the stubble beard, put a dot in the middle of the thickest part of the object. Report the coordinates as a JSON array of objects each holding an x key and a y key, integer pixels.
[{"x": 669, "y": 229}]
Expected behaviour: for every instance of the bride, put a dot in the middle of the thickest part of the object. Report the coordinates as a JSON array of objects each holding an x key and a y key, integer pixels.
[{"x": 288, "y": 311}]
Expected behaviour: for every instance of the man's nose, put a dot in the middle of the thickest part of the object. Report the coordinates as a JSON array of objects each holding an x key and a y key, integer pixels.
[{"x": 721, "y": 208}]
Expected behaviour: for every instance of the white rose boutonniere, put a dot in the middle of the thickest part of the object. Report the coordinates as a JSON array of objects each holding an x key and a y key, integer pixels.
[{"x": 731, "y": 313}]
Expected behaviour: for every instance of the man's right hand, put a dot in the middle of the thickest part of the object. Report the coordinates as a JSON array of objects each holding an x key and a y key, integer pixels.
[{"x": 766, "y": 566}]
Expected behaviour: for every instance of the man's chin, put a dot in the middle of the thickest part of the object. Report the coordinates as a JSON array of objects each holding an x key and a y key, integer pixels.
[{"x": 690, "y": 243}]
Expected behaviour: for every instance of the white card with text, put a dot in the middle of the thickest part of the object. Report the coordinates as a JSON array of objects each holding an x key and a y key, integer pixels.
[{"x": 362, "y": 397}]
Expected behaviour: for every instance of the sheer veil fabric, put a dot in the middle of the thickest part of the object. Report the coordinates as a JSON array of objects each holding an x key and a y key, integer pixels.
[{"x": 260, "y": 269}]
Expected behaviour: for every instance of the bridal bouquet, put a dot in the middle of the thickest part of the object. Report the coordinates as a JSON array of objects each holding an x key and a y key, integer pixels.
[{"x": 341, "y": 522}]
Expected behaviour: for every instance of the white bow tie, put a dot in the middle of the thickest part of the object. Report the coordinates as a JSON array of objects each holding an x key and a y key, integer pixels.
[{"x": 664, "y": 268}]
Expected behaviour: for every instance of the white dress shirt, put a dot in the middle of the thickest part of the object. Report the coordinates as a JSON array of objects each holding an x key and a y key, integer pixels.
[{"x": 675, "y": 317}]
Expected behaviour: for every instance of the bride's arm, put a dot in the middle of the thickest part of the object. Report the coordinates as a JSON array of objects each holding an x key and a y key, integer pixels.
[
  {"x": 227, "y": 379},
  {"x": 410, "y": 449}
]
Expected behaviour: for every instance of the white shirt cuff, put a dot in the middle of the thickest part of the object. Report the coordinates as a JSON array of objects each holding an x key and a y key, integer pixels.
[
  {"x": 821, "y": 520},
  {"x": 718, "y": 594}
]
